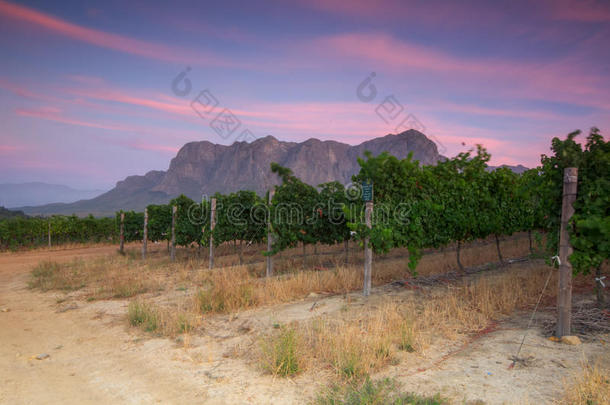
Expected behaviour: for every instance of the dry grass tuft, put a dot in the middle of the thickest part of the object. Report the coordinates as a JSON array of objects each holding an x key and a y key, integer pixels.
[
  {"x": 281, "y": 354},
  {"x": 153, "y": 318},
  {"x": 591, "y": 387}
]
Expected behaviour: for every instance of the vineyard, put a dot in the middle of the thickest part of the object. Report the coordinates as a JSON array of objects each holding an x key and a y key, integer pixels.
[
  {"x": 415, "y": 207},
  {"x": 462, "y": 259}
]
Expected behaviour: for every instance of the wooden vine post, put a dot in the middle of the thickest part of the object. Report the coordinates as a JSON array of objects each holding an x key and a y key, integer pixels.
[
  {"x": 145, "y": 238},
  {"x": 269, "y": 272},
  {"x": 49, "y": 231},
  {"x": 173, "y": 247},
  {"x": 564, "y": 297},
  {"x": 122, "y": 234},
  {"x": 212, "y": 225},
  {"x": 367, "y": 196}
]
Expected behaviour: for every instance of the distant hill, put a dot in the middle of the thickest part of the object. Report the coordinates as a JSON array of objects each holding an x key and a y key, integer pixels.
[
  {"x": 14, "y": 195},
  {"x": 203, "y": 168},
  {"x": 7, "y": 214},
  {"x": 517, "y": 169}
]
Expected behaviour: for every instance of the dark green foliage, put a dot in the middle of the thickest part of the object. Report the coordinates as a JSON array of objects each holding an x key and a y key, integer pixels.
[
  {"x": 159, "y": 222},
  {"x": 590, "y": 234},
  {"x": 188, "y": 228},
  {"x": 294, "y": 211},
  {"x": 240, "y": 218},
  {"x": 133, "y": 225},
  {"x": 330, "y": 225},
  {"x": 28, "y": 232}
]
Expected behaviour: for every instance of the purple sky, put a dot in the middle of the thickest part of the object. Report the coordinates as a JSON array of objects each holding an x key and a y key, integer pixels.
[{"x": 86, "y": 88}]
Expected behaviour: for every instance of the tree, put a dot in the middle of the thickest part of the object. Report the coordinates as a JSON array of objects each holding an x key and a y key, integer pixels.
[
  {"x": 188, "y": 231},
  {"x": 236, "y": 220},
  {"x": 293, "y": 211},
  {"x": 590, "y": 234}
]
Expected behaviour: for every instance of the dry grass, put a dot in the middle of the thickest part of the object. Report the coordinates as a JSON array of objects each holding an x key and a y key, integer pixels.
[
  {"x": 103, "y": 278},
  {"x": 591, "y": 387},
  {"x": 237, "y": 288},
  {"x": 365, "y": 341},
  {"x": 163, "y": 321},
  {"x": 240, "y": 287}
]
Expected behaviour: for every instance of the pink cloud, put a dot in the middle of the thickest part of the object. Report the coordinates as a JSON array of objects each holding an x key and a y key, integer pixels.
[
  {"x": 54, "y": 114},
  {"x": 176, "y": 106},
  {"x": 24, "y": 92},
  {"x": 172, "y": 150},
  {"x": 580, "y": 10},
  {"x": 496, "y": 112},
  {"x": 107, "y": 40},
  {"x": 554, "y": 81},
  {"x": 6, "y": 149}
]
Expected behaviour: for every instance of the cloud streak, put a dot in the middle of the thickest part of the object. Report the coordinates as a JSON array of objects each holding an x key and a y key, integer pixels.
[{"x": 121, "y": 43}]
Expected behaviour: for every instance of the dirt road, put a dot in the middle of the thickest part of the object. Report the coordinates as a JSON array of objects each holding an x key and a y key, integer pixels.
[{"x": 94, "y": 358}]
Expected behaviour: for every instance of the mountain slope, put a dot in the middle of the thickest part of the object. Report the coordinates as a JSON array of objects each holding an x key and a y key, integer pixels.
[
  {"x": 17, "y": 195},
  {"x": 203, "y": 168}
]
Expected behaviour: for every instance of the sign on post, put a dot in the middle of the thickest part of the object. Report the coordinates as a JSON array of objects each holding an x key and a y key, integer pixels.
[{"x": 367, "y": 192}]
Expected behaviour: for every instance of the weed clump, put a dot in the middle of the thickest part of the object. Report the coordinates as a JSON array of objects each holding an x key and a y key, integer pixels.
[
  {"x": 142, "y": 315},
  {"x": 281, "y": 353}
]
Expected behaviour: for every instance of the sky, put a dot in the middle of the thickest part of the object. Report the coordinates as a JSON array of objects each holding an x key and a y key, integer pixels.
[{"x": 91, "y": 92}]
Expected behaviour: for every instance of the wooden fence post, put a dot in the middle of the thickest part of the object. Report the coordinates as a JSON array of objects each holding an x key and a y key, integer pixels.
[
  {"x": 145, "y": 238},
  {"x": 173, "y": 247},
  {"x": 368, "y": 251},
  {"x": 212, "y": 225},
  {"x": 346, "y": 248},
  {"x": 269, "y": 272},
  {"x": 122, "y": 234},
  {"x": 564, "y": 297}
]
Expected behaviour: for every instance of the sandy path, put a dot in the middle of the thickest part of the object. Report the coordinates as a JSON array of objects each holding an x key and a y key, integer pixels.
[
  {"x": 91, "y": 360},
  {"x": 96, "y": 359}
]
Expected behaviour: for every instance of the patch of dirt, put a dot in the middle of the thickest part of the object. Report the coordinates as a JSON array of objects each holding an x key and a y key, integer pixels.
[{"x": 95, "y": 358}]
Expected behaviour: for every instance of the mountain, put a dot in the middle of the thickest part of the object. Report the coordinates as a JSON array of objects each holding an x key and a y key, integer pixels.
[
  {"x": 7, "y": 214},
  {"x": 203, "y": 168},
  {"x": 17, "y": 195},
  {"x": 517, "y": 169}
]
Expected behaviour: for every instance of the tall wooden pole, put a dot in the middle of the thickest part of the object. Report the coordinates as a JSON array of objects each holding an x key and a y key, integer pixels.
[
  {"x": 368, "y": 251},
  {"x": 564, "y": 298},
  {"x": 173, "y": 247},
  {"x": 122, "y": 234},
  {"x": 49, "y": 231},
  {"x": 145, "y": 238},
  {"x": 212, "y": 225},
  {"x": 269, "y": 272}
]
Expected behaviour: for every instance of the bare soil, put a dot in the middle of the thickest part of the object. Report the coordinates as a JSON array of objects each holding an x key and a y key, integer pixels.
[{"x": 94, "y": 357}]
